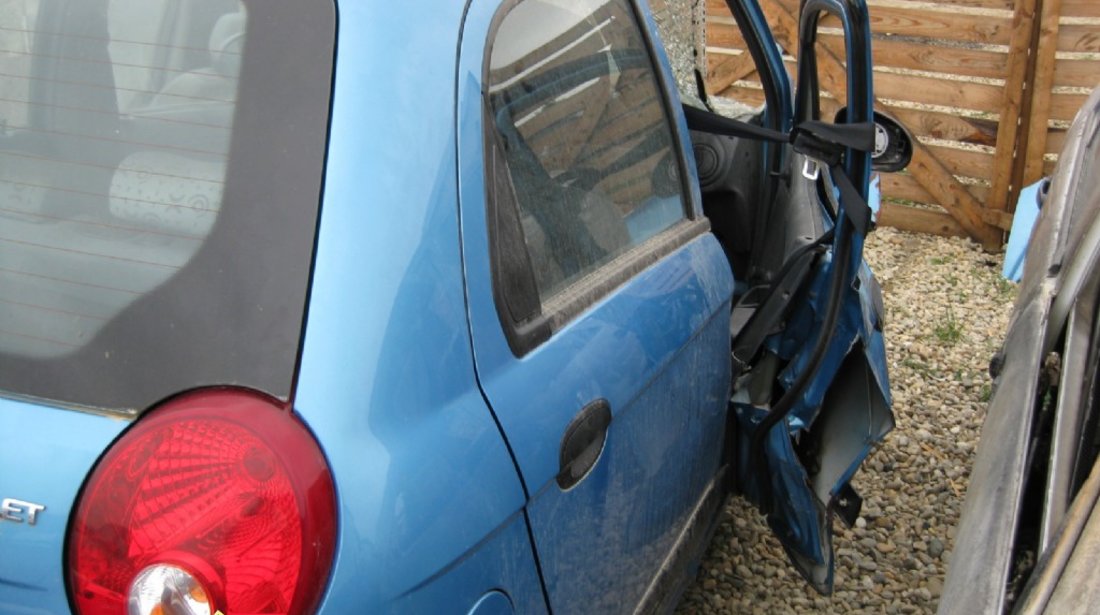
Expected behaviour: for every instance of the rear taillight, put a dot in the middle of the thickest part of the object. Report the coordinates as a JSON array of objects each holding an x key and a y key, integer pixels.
[{"x": 219, "y": 500}]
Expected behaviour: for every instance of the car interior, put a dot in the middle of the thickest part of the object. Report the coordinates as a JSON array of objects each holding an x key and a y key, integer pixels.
[{"x": 112, "y": 157}]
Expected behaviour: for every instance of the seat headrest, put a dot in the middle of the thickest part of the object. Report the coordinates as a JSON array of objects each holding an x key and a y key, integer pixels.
[{"x": 226, "y": 43}]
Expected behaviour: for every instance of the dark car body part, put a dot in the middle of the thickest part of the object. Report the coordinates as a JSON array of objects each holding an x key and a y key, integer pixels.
[
  {"x": 893, "y": 150},
  {"x": 583, "y": 442},
  {"x": 1033, "y": 487}
]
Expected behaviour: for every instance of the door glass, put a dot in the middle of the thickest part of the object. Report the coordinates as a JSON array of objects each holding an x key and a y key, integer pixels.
[{"x": 579, "y": 117}]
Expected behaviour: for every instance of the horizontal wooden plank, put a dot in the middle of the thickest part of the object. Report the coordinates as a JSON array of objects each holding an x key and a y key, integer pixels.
[
  {"x": 968, "y": 163},
  {"x": 897, "y": 186},
  {"x": 932, "y": 24},
  {"x": 921, "y": 22},
  {"x": 741, "y": 94},
  {"x": 1077, "y": 73},
  {"x": 917, "y": 220},
  {"x": 724, "y": 33},
  {"x": 1065, "y": 106},
  {"x": 1079, "y": 37},
  {"x": 924, "y": 56},
  {"x": 897, "y": 21},
  {"x": 1056, "y": 140},
  {"x": 1080, "y": 8},
  {"x": 906, "y": 187},
  {"x": 929, "y": 57},
  {"x": 932, "y": 91},
  {"x": 959, "y": 162},
  {"x": 1005, "y": 5},
  {"x": 922, "y": 220}
]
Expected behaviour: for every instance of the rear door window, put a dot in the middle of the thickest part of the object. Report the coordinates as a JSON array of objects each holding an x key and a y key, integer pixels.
[
  {"x": 579, "y": 115},
  {"x": 580, "y": 151}
]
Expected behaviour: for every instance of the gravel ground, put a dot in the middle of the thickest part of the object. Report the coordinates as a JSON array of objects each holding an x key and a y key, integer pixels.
[{"x": 946, "y": 312}]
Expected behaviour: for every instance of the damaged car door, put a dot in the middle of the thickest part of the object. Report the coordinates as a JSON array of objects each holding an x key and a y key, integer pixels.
[{"x": 811, "y": 391}]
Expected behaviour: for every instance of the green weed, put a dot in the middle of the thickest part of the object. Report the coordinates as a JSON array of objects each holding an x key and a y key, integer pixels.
[
  {"x": 1005, "y": 289},
  {"x": 949, "y": 331},
  {"x": 919, "y": 367},
  {"x": 985, "y": 393}
]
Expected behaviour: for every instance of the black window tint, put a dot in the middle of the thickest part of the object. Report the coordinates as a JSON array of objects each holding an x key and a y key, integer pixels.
[
  {"x": 157, "y": 208},
  {"x": 113, "y": 165},
  {"x": 576, "y": 109}
]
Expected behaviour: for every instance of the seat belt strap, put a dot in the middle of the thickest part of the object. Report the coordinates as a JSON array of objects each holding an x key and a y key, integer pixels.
[{"x": 820, "y": 141}]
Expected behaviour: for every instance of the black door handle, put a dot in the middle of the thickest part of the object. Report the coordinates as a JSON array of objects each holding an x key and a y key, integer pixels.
[{"x": 583, "y": 442}]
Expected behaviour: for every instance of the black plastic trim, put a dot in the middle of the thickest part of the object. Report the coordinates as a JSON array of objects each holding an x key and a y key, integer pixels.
[{"x": 582, "y": 443}]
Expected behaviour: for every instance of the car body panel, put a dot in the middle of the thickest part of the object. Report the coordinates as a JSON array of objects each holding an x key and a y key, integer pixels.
[
  {"x": 1059, "y": 273},
  {"x": 984, "y": 540},
  {"x": 393, "y": 398},
  {"x": 1072, "y": 402},
  {"x": 655, "y": 348},
  {"x": 45, "y": 454}
]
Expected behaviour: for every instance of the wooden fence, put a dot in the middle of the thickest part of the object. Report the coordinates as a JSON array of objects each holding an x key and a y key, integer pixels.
[{"x": 988, "y": 87}]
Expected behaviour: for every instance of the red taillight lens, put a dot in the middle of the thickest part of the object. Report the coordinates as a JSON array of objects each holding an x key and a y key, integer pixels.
[{"x": 221, "y": 496}]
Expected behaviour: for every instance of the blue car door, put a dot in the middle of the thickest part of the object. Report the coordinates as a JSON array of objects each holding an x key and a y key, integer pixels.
[
  {"x": 811, "y": 390},
  {"x": 598, "y": 300}
]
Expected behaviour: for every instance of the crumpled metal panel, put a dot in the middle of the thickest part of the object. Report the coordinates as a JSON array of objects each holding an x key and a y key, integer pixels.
[{"x": 842, "y": 415}]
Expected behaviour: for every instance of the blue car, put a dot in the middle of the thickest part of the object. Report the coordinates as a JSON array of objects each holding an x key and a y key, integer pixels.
[{"x": 365, "y": 307}]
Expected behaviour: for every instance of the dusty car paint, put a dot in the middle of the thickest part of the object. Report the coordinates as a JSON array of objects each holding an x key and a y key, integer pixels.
[
  {"x": 445, "y": 440},
  {"x": 1056, "y": 302}
]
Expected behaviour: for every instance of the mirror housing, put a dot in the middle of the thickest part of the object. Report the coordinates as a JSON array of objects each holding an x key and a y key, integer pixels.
[{"x": 893, "y": 143}]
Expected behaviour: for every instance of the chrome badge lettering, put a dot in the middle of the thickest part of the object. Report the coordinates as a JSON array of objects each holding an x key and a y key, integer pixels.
[{"x": 19, "y": 511}]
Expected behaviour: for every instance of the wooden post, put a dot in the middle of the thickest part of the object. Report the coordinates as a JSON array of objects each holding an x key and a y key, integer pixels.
[
  {"x": 1014, "y": 113},
  {"x": 1041, "y": 89}
]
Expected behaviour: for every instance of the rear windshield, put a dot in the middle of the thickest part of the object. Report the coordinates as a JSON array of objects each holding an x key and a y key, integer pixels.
[{"x": 160, "y": 175}]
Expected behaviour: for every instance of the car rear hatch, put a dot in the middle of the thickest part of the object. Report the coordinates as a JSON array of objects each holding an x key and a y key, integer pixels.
[
  {"x": 45, "y": 453},
  {"x": 157, "y": 221}
]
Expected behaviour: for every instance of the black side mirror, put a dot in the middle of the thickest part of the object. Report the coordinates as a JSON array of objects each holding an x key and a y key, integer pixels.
[{"x": 893, "y": 143}]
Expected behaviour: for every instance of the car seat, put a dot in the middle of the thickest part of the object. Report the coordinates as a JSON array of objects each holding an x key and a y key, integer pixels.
[{"x": 180, "y": 191}]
